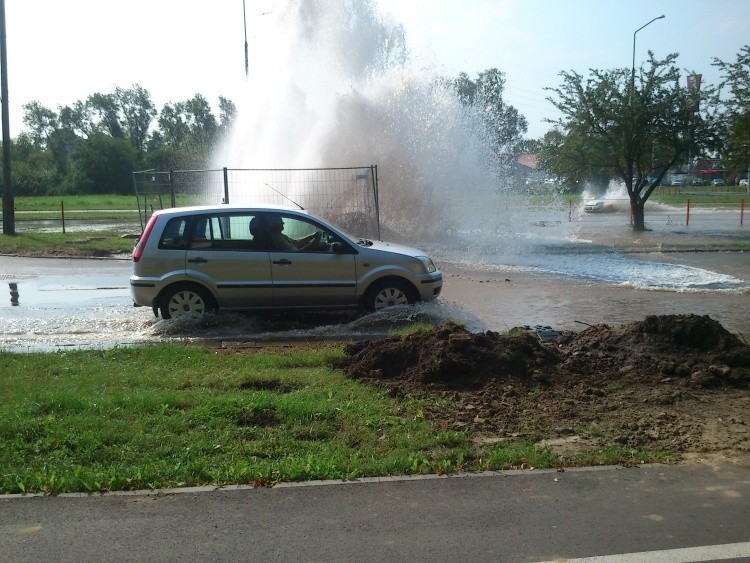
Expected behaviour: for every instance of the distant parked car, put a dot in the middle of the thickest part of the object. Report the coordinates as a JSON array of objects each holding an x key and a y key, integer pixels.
[
  {"x": 743, "y": 182},
  {"x": 717, "y": 182}
]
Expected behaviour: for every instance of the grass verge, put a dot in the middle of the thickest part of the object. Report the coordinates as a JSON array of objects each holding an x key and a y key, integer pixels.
[
  {"x": 86, "y": 245},
  {"x": 168, "y": 415},
  {"x": 76, "y": 202}
]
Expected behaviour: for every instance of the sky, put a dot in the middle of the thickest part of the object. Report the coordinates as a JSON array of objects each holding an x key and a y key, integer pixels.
[{"x": 63, "y": 51}]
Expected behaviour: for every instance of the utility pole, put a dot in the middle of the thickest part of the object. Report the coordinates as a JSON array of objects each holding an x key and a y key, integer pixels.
[
  {"x": 9, "y": 222},
  {"x": 244, "y": 20}
]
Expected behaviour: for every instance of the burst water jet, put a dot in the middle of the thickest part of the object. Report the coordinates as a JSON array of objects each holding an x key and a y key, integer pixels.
[{"x": 332, "y": 83}]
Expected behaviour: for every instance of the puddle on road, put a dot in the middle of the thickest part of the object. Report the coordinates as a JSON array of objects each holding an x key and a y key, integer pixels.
[
  {"x": 68, "y": 309},
  {"x": 54, "y": 312}
]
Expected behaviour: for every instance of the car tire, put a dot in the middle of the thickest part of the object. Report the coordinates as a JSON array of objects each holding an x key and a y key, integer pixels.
[
  {"x": 185, "y": 300},
  {"x": 388, "y": 293}
]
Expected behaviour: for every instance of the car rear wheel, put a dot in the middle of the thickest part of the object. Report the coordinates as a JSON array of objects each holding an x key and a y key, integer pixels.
[
  {"x": 388, "y": 294},
  {"x": 185, "y": 301}
]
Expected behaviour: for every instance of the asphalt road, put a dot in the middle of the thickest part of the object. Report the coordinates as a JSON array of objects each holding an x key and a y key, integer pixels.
[
  {"x": 53, "y": 304},
  {"x": 648, "y": 513}
]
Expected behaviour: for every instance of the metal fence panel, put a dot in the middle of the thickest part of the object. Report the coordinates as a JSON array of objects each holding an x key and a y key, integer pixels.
[{"x": 347, "y": 197}]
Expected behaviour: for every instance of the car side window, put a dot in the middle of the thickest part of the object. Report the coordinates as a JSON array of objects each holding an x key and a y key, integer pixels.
[
  {"x": 293, "y": 234},
  {"x": 228, "y": 231},
  {"x": 174, "y": 236}
]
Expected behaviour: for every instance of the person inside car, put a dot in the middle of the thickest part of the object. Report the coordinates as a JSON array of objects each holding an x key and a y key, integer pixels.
[{"x": 283, "y": 243}]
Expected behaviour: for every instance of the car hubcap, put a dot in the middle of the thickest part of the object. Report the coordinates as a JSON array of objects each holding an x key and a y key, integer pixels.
[
  {"x": 390, "y": 297},
  {"x": 186, "y": 304}
]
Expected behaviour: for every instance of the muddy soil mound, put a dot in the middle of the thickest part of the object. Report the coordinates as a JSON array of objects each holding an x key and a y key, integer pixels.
[
  {"x": 688, "y": 346},
  {"x": 451, "y": 356},
  {"x": 677, "y": 383},
  {"x": 684, "y": 346}
]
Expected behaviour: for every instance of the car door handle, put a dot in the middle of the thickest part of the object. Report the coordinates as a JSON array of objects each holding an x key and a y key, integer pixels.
[
  {"x": 199, "y": 260},
  {"x": 282, "y": 262}
]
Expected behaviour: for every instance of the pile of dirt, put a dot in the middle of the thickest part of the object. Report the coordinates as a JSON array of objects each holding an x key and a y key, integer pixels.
[
  {"x": 674, "y": 382},
  {"x": 450, "y": 356}
]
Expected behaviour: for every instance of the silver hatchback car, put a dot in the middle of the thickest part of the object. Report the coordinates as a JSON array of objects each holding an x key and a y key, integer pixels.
[{"x": 195, "y": 260}]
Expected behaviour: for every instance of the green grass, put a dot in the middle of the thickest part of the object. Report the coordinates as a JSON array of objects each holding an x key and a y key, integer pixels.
[
  {"x": 76, "y": 202},
  {"x": 88, "y": 244},
  {"x": 96, "y": 202},
  {"x": 169, "y": 415}
]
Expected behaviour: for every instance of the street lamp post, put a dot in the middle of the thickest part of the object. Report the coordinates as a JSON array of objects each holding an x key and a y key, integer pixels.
[
  {"x": 9, "y": 221},
  {"x": 632, "y": 71}
]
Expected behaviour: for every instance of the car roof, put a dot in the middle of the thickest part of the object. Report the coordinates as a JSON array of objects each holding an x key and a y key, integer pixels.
[{"x": 229, "y": 208}]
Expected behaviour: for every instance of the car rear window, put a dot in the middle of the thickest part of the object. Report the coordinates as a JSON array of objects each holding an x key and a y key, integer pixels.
[{"x": 174, "y": 234}]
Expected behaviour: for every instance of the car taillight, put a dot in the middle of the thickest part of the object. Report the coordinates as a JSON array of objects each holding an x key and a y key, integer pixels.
[{"x": 140, "y": 245}]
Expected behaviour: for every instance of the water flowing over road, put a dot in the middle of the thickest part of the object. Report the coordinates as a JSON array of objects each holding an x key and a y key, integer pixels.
[{"x": 58, "y": 304}]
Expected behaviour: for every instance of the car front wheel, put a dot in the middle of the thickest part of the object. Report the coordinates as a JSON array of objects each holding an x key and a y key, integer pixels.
[
  {"x": 185, "y": 301},
  {"x": 388, "y": 294}
]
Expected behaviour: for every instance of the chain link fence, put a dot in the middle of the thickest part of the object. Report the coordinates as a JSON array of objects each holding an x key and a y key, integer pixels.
[{"x": 348, "y": 197}]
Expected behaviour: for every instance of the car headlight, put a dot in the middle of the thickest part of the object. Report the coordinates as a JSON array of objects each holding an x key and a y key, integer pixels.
[{"x": 427, "y": 263}]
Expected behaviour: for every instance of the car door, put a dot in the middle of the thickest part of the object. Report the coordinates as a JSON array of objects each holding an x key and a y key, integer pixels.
[
  {"x": 224, "y": 254},
  {"x": 310, "y": 274}
]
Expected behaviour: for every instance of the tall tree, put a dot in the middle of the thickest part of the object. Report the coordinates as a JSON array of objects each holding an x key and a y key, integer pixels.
[
  {"x": 227, "y": 113},
  {"x": 187, "y": 132},
  {"x": 503, "y": 125},
  {"x": 53, "y": 133},
  {"x": 173, "y": 127},
  {"x": 137, "y": 114},
  {"x": 103, "y": 164},
  {"x": 33, "y": 169},
  {"x": 104, "y": 114},
  {"x": 736, "y": 117},
  {"x": 632, "y": 130},
  {"x": 201, "y": 120},
  {"x": 40, "y": 122}
]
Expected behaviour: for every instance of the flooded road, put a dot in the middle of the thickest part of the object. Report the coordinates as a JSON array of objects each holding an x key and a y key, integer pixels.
[
  {"x": 58, "y": 304},
  {"x": 62, "y": 303},
  {"x": 504, "y": 297}
]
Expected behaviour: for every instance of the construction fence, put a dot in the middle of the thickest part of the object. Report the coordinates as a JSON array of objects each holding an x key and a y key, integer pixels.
[{"x": 347, "y": 197}]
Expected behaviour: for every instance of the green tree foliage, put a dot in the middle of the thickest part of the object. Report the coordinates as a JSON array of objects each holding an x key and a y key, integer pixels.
[
  {"x": 94, "y": 145},
  {"x": 103, "y": 164},
  {"x": 227, "y": 113},
  {"x": 51, "y": 132},
  {"x": 634, "y": 128},
  {"x": 137, "y": 114},
  {"x": 103, "y": 115},
  {"x": 504, "y": 126},
  {"x": 187, "y": 132},
  {"x": 33, "y": 168},
  {"x": 736, "y": 117}
]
